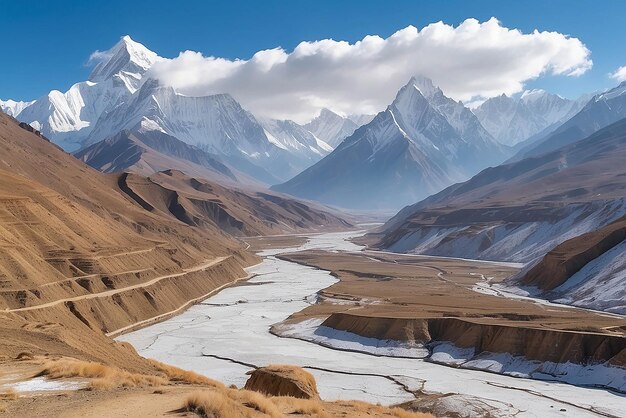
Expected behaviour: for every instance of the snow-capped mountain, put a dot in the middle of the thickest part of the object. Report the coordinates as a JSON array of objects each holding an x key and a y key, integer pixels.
[
  {"x": 332, "y": 128},
  {"x": 600, "y": 111},
  {"x": 128, "y": 60},
  {"x": 13, "y": 108},
  {"x": 216, "y": 124},
  {"x": 512, "y": 120},
  {"x": 361, "y": 120},
  {"x": 67, "y": 118},
  {"x": 462, "y": 120},
  {"x": 295, "y": 138},
  {"x": 421, "y": 143},
  {"x": 118, "y": 97}
]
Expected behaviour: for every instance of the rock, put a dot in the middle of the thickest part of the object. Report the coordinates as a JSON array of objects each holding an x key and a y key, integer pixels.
[{"x": 282, "y": 380}]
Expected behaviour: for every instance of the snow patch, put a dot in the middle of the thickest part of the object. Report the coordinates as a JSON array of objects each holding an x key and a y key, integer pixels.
[
  {"x": 601, "y": 374},
  {"x": 312, "y": 330},
  {"x": 41, "y": 384}
]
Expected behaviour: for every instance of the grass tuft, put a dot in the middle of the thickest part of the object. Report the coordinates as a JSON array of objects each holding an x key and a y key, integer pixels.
[
  {"x": 255, "y": 401},
  {"x": 291, "y": 405},
  {"x": 212, "y": 404},
  {"x": 104, "y": 377}
]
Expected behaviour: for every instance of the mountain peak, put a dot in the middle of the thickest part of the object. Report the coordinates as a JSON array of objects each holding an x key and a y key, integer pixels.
[
  {"x": 331, "y": 127},
  {"x": 126, "y": 55},
  {"x": 530, "y": 96},
  {"x": 326, "y": 113},
  {"x": 613, "y": 93},
  {"x": 408, "y": 97},
  {"x": 425, "y": 85}
]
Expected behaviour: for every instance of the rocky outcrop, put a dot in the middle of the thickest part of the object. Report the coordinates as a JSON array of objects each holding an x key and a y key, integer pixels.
[
  {"x": 540, "y": 344},
  {"x": 281, "y": 380}
]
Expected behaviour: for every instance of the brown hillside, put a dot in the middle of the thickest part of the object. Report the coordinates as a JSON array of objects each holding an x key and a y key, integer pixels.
[
  {"x": 568, "y": 258},
  {"x": 78, "y": 257},
  {"x": 201, "y": 203}
]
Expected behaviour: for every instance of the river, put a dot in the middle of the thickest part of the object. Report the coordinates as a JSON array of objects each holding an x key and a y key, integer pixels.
[{"x": 227, "y": 335}]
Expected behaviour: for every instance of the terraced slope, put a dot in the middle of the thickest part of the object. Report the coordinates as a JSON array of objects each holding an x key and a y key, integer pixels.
[{"x": 76, "y": 254}]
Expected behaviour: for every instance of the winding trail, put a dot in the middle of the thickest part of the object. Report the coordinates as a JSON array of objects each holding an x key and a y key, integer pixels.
[{"x": 203, "y": 266}]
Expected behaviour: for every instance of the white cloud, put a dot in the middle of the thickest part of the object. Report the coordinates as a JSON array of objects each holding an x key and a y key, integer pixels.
[
  {"x": 97, "y": 57},
  {"x": 619, "y": 74},
  {"x": 471, "y": 61}
]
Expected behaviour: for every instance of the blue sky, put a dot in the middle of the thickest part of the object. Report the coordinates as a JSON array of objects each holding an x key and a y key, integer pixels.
[{"x": 47, "y": 43}]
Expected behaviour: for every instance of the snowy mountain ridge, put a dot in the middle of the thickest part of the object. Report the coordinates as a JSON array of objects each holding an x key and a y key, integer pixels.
[
  {"x": 512, "y": 120},
  {"x": 127, "y": 58},
  {"x": 417, "y": 146},
  {"x": 117, "y": 96},
  {"x": 331, "y": 127},
  {"x": 13, "y": 108}
]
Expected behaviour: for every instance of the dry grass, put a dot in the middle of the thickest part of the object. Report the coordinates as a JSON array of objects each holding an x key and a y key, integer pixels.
[
  {"x": 244, "y": 403},
  {"x": 9, "y": 394},
  {"x": 185, "y": 376},
  {"x": 403, "y": 413},
  {"x": 212, "y": 404},
  {"x": 364, "y": 408},
  {"x": 291, "y": 405},
  {"x": 255, "y": 401},
  {"x": 103, "y": 376}
]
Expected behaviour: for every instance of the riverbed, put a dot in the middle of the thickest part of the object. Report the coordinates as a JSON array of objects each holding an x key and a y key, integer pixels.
[{"x": 227, "y": 335}]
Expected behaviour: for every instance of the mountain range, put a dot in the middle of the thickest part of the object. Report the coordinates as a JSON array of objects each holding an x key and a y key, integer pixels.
[
  {"x": 600, "y": 111},
  {"x": 523, "y": 210},
  {"x": 423, "y": 142},
  {"x": 118, "y": 97},
  {"x": 512, "y": 120}
]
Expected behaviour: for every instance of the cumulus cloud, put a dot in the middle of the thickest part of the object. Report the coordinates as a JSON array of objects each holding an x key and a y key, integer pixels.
[
  {"x": 472, "y": 61},
  {"x": 619, "y": 74}
]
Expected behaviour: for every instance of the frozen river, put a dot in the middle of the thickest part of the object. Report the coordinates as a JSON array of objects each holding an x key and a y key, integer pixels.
[{"x": 227, "y": 334}]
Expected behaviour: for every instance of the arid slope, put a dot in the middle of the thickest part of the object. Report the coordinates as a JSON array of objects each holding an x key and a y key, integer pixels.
[
  {"x": 239, "y": 212},
  {"x": 76, "y": 253},
  {"x": 148, "y": 152}
]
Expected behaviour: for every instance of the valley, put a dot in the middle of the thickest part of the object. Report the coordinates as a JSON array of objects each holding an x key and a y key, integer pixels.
[
  {"x": 360, "y": 331},
  {"x": 419, "y": 222}
]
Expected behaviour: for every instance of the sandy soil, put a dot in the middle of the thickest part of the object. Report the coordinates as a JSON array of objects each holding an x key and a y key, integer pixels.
[
  {"x": 257, "y": 244},
  {"x": 377, "y": 284},
  {"x": 143, "y": 402}
]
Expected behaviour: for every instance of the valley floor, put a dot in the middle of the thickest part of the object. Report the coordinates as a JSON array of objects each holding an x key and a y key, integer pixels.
[{"x": 247, "y": 326}]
